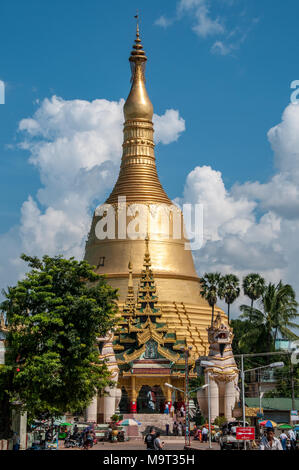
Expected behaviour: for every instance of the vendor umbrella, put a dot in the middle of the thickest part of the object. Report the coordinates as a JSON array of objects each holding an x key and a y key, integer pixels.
[
  {"x": 129, "y": 422},
  {"x": 207, "y": 426},
  {"x": 284, "y": 426},
  {"x": 268, "y": 423},
  {"x": 61, "y": 423}
]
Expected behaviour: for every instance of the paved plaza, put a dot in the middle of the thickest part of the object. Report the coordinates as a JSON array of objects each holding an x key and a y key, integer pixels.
[{"x": 170, "y": 444}]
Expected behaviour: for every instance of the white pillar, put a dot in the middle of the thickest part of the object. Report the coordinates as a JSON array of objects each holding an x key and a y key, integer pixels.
[
  {"x": 111, "y": 402},
  {"x": 92, "y": 410},
  {"x": 214, "y": 399},
  {"x": 229, "y": 399},
  {"x": 23, "y": 431}
]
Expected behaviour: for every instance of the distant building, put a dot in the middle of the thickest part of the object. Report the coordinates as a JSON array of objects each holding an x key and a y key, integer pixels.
[
  {"x": 261, "y": 381},
  {"x": 276, "y": 409},
  {"x": 283, "y": 345}
]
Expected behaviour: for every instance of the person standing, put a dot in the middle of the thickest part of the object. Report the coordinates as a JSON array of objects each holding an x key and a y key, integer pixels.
[
  {"x": 292, "y": 437},
  {"x": 167, "y": 429},
  {"x": 283, "y": 438},
  {"x": 158, "y": 445},
  {"x": 150, "y": 439},
  {"x": 204, "y": 433},
  {"x": 16, "y": 441},
  {"x": 175, "y": 428},
  {"x": 269, "y": 441}
]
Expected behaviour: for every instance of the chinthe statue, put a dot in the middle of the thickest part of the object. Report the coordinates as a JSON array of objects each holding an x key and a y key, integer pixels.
[{"x": 223, "y": 375}]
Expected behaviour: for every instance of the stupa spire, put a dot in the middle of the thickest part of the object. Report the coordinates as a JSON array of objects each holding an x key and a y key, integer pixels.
[
  {"x": 138, "y": 179},
  {"x": 138, "y": 104}
]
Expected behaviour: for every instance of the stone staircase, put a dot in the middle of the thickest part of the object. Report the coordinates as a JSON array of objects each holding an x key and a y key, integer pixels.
[{"x": 159, "y": 421}]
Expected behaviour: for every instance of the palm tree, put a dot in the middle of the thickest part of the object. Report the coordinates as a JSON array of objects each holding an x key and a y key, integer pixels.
[
  {"x": 209, "y": 284},
  {"x": 278, "y": 309},
  {"x": 229, "y": 290},
  {"x": 253, "y": 287}
]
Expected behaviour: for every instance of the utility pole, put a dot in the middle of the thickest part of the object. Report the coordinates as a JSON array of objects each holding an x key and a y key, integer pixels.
[
  {"x": 209, "y": 407},
  {"x": 292, "y": 385},
  {"x": 243, "y": 394},
  {"x": 187, "y": 417}
]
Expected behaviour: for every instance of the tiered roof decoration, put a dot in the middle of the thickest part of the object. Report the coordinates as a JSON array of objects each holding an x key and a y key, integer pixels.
[{"x": 142, "y": 334}]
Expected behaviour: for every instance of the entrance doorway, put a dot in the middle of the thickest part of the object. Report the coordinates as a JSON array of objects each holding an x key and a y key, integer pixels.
[
  {"x": 124, "y": 402},
  {"x": 150, "y": 399}
]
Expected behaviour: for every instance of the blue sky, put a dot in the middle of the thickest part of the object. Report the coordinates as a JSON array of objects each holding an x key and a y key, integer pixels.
[
  {"x": 78, "y": 50},
  {"x": 225, "y": 65}
]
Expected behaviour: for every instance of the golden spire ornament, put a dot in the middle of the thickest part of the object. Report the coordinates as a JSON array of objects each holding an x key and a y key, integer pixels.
[{"x": 138, "y": 179}]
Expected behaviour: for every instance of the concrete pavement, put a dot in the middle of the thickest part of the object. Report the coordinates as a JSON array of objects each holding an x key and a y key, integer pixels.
[{"x": 170, "y": 444}]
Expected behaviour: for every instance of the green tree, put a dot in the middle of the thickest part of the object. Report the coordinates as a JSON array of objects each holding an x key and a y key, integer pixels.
[
  {"x": 253, "y": 286},
  {"x": 229, "y": 290},
  {"x": 209, "y": 289},
  {"x": 54, "y": 318},
  {"x": 278, "y": 309}
]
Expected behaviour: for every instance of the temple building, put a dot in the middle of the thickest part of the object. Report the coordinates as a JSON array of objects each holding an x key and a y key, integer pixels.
[{"x": 162, "y": 313}]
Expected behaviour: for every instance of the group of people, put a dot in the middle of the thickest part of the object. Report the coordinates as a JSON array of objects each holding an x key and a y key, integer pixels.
[
  {"x": 84, "y": 439},
  {"x": 200, "y": 434},
  {"x": 178, "y": 428},
  {"x": 284, "y": 442},
  {"x": 153, "y": 440}
]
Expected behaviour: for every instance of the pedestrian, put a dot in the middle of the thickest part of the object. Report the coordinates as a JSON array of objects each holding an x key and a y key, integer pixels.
[
  {"x": 283, "y": 438},
  {"x": 182, "y": 410},
  {"x": 16, "y": 441},
  {"x": 175, "y": 428},
  {"x": 234, "y": 429},
  {"x": 150, "y": 439},
  {"x": 270, "y": 442},
  {"x": 158, "y": 445},
  {"x": 88, "y": 441},
  {"x": 172, "y": 411},
  {"x": 166, "y": 409},
  {"x": 292, "y": 437},
  {"x": 180, "y": 429},
  {"x": 204, "y": 433}
]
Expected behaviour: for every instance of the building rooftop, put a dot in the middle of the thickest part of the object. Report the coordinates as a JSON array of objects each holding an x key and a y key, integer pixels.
[{"x": 282, "y": 404}]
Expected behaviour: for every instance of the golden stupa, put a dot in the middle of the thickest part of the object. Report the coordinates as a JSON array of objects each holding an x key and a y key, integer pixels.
[{"x": 183, "y": 312}]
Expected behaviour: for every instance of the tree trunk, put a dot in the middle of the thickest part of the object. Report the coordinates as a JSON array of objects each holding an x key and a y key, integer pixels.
[
  {"x": 251, "y": 308},
  {"x": 5, "y": 418},
  {"x": 228, "y": 312},
  {"x": 213, "y": 306}
]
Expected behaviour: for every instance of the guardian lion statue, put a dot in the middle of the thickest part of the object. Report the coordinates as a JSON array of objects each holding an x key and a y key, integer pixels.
[{"x": 223, "y": 375}]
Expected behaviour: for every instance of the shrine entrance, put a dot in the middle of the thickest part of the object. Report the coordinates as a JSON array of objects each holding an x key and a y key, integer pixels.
[
  {"x": 150, "y": 399},
  {"x": 124, "y": 404}
]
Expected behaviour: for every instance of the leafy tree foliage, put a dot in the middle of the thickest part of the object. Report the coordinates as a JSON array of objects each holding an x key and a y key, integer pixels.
[
  {"x": 278, "y": 310},
  {"x": 54, "y": 317},
  {"x": 253, "y": 286},
  {"x": 209, "y": 289},
  {"x": 229, "y": 290}
]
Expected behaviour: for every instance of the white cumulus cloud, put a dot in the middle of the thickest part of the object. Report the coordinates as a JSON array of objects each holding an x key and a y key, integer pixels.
[
  {"x": 253, "y": 226},
  {"x": 76, "y": 147}
]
